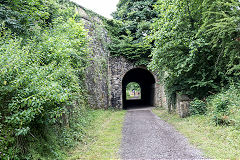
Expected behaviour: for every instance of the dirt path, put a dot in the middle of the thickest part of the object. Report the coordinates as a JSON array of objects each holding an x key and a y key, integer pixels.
[{"x": 146, "y": 136}]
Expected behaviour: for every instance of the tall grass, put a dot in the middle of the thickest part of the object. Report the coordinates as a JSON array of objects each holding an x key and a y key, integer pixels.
[{"x": 224, "y": 107}]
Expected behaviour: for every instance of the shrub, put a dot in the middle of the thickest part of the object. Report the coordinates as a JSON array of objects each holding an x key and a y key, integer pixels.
[
  {"x": 38, "y": 79},
  {"x": 221, "y": 112},
  {"x": 226, "y": 106},
  {"x": 197, "y": 107}
]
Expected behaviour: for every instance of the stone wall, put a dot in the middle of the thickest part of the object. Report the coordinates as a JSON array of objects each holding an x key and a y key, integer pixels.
[
  {"x": 118, "y": 67},
  {"x": 105, "y": 74},
  {"x": 163, "y": 97},
  {"x": 97, "y": 73},
  {"x": 182, "y": 105}
]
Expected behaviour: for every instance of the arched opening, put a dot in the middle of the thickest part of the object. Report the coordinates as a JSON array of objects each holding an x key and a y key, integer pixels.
[
  {"x": 133, "y": 91},
  {"x": 146, "y": 82}
]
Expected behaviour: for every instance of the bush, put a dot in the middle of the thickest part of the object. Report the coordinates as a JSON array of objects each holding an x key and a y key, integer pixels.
[
  {"x": 197, "y": 107},
  {"x": 38, "y": 79},
  {"x": 221, "y": 112},
  {"x": 225, "y": 106}
]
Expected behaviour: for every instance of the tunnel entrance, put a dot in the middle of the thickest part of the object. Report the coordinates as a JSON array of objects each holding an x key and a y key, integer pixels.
[{"x": 146, "y": 81}]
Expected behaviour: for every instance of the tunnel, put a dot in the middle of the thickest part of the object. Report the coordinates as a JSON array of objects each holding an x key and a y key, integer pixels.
[{"x": 147, "y": 84}]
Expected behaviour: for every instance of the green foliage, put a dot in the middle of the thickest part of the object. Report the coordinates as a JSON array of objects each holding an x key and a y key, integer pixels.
[
  {"x": 197, "y": 107},
  {"x": 129, "y": 28},
  {"x": 42, "y": 70},
  {"x": 57, "y": 141},
  {"x": 188, "y": 53},
  {"x": 135, "y": 52},
  {"x": 23, "y": 17},
  {"x": 103, "y": 136},
  {"x": 225, "y": 106},
  {"x": 221, "y": 30},
  {"x": 42, "y": 74},
  {"x": 216, "y": 142},
  {"x": 129, "y": 90},
  {"x": 133, "y": 85}
]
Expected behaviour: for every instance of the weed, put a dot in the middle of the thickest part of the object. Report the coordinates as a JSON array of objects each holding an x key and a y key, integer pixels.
[
  {"x": 103, "y": 138},
  {"x": 220, "y": 142}
]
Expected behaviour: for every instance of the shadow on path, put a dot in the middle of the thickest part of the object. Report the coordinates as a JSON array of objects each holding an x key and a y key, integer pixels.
[{"x": 139, "y": 107}]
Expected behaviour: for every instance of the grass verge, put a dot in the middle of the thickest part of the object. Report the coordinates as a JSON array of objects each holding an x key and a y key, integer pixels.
[
  {"x": 220, "y": 142},
  {"x": 103, "y": 137}
]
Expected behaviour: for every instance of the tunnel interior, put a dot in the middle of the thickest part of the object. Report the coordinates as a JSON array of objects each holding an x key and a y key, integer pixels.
[{"x": 147, "y": 83}]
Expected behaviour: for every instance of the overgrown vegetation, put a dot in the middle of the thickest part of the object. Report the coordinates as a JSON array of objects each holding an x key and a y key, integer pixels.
[
  {"x": 55, "y": 141},
  {"x": 197, "y": 107},
  {"x": 221, "y": 108},
  {"x": 196, "y": 50},
  {"x": 103, "y": 138},
  {"x": 193, "y": 45},
  {"x": 224, "y": 107},
  {"x": 127, "y": 30},
  {"x": 196, "y": 45},
  {"x": 42, "y": 61},
  {"x": 217, "y": 142}
]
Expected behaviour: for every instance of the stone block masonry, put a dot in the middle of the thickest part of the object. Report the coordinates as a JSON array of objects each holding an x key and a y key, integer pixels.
[
  {"x": 119, "y": 66},
  {"x": 97, "y": 79},
  {"x": 104, "y": 76},
  {"x": 182, "y": 105}
]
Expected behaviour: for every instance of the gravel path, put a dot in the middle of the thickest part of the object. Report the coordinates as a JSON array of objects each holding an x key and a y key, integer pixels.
[{"x": 146, "y": 136}]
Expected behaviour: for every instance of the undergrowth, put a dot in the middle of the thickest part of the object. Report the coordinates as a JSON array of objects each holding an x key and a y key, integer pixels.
[
  {"x": 214, "y": 124},
  {"x": 54, "y": 141},
  {"x": 215, "y": 141},
  {"x": 224, "y": 108},
  {"x": 103, "y": 137},
  {"x": 43, "y": 58}
]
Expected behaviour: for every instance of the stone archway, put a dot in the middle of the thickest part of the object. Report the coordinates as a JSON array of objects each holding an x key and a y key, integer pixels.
[
  {"x": 147, "y": 83},
  {"x": 105, "y": 74},
  {"x": 119, "y": 68}
]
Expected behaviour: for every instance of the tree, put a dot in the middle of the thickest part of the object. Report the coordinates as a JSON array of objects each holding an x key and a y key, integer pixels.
[
  {"x": 42, "y": 70},
  {"x": 190, "y": 38},
  {"x": 221, "y": 28},
  {"x": 130, "y": 26}
]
